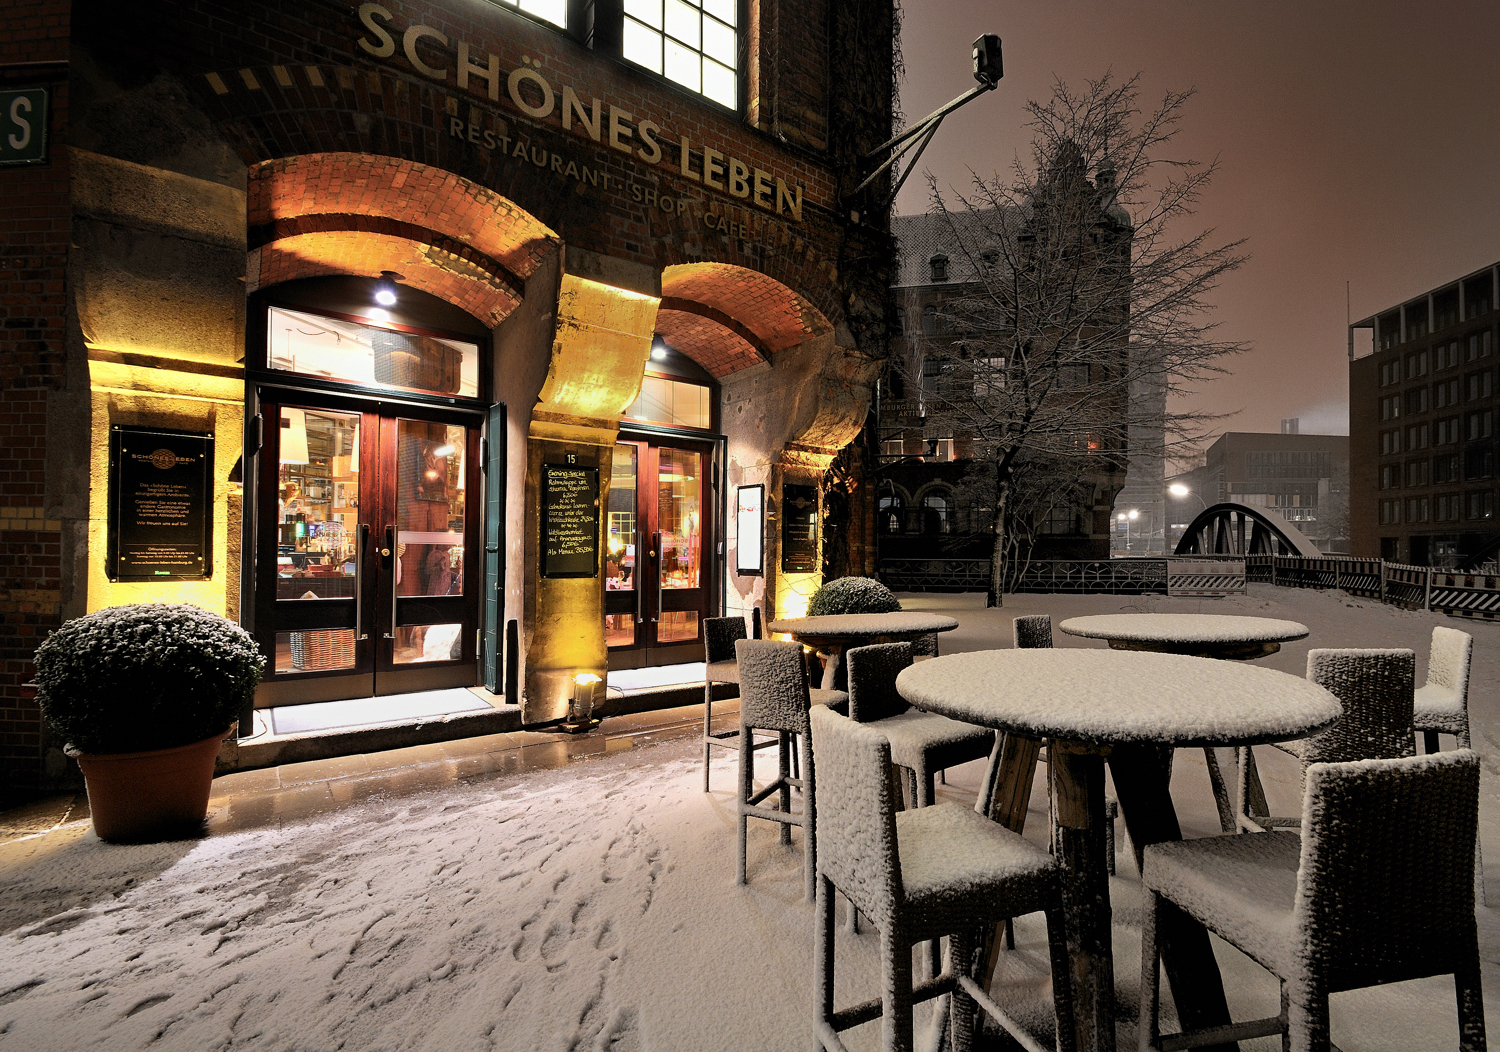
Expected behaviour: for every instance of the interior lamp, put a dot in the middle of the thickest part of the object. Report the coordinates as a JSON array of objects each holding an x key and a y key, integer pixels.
[
  {"x": 385, "y": 288},
  {"x": 581, "y": 708}
]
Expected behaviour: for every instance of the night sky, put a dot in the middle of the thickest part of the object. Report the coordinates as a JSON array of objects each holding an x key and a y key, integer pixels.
[{"x": 1358, "y": 142}]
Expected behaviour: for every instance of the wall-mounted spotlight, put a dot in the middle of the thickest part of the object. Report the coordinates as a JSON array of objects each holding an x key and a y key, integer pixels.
[
  {"x": 658, "y": 350},
  {"x": 385, "y": 288}
]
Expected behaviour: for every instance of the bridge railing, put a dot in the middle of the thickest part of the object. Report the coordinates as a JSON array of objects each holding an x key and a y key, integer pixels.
[{"x": 1398, "y": 584}]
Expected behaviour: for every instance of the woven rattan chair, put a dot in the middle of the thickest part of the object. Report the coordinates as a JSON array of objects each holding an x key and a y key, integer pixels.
[
  {"x": 774, "y": 696},
  {"x": 1375, "y": 689},
  {"x": 720, "y": 666},
  {"x": 921, "y": 742},
  {"x": 1376, "y": 890},
  {"x": 1441, "y": 705},
  {"x": 919, "y": 875}
]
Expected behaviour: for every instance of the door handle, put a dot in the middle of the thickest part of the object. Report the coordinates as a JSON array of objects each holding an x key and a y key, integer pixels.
[
  {"x": 656, "y": 554},
  {"x": 360, "y": 635},
  {"x": 386, "y": 553}
]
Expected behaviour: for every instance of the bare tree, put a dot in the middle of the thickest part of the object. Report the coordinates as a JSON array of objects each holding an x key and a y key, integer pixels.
[{"x": 1077, "y": 285}]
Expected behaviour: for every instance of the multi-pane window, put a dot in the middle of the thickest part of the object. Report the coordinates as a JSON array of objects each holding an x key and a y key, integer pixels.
[
  {"x": 1390, "y": 512},
  {"x": 1390, "y": 408},
  {"x": 1480, "y": 385},
  {"x": 1481, "y": 506},
  {"x": 554, "y": 11},
  {"x": 1390, "y": 372},
  {"x": 1390, "y": 476},
  {"x": 691, "y": 42},
  {"x": 1416, "y": 509},
  {"x": 1416, "y": 401},
  {"x": 1481, "y": 425},
  {"x": 1448, "y": 507},
  {"x": 1446, "y": 355},
  {"x": 1479, "y": 345},
  {"x": 1445, "y": 393},
  {"x": 1479, "y": 463},
  {"x": 1416, "y": 436},
  {"x": 1390, "y": 442},
  {"x": 1447, "y": 431},
  {"x": 1416, "y": 473},
  {"x": 1445, "y": 468}
]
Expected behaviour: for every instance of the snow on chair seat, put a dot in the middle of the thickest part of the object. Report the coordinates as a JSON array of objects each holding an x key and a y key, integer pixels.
[
  {"x": 1441, "y": 704},
  {"x": 1377, "y": 889},
  {"x": 918, "y": 876}
]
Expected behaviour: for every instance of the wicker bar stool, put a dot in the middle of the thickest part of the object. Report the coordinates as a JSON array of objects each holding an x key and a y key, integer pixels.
[
  {"x": 720, "y": 666},
  {"x": 1375, "y": 688},
  {"x": 1441, "y": 705},
  {"x": 774, "y": 696},
  {"x": 919, "y": 875},
  {"x": 922, "y": 743},
  {"x": 1377, "y": 889}
]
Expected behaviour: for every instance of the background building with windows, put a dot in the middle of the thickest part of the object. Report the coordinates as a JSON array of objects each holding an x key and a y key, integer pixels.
[
  {"x": 481, "y": 313},
  {"x": 1422, "y": 408},
  {"x": 1303, "y": 478}
]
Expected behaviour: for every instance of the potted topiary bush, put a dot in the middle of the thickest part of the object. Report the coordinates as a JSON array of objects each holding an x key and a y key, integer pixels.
[
  {"x": 853, "y": 595},
  {"x": 143, "y": 695}
]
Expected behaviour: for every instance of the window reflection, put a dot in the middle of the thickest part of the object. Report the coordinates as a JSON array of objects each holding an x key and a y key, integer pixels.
[
  {"x": 318, "y": 504},
  {"x": 679, "y": 518},
  {"x": 620, "y": 548}
]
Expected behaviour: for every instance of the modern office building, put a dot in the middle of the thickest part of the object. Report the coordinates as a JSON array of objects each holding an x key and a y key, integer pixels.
[
  {"x": 1303, "y": 478},
  {"x": 1422, "y": 408},
  {"x": 381, "y": 326}
]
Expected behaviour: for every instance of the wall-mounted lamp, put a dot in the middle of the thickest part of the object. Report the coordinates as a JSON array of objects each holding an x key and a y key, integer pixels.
[
  {"x": 385, "y": 288},
  {"x": 581, "y": 708},
  {"x": 658, "y": 350}
]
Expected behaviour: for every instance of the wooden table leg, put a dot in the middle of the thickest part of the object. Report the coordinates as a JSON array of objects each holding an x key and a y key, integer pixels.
[
  {"x": 1077, "y": 774},
  {"x": 1141, "y": 784},
  {"x": 1004, "y": 798}
]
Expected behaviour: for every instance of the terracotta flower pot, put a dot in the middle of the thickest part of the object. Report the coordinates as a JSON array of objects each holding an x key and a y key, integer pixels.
[{"x": 162, "y": 794}]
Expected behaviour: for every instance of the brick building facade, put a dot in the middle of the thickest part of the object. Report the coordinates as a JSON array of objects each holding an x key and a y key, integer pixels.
[{"x": 573, "y": 238}]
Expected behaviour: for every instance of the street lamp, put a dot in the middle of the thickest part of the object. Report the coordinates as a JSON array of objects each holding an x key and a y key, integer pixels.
[
  {"x": 1127, "y": 517},
  {"x": 1179, "y": 491}
]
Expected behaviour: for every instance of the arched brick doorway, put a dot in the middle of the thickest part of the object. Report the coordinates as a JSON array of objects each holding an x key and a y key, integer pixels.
[
  {"x": 670, "y": 520},
  {"x": 373, "y": 400}
]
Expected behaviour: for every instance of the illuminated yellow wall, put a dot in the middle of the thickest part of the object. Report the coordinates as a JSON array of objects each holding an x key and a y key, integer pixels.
[
  {"x": 157, "y": 284},
  {"x": 601, "y": 342}
]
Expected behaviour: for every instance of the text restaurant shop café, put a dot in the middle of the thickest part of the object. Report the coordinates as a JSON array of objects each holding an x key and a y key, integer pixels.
[{"x": 391, "y": 330}]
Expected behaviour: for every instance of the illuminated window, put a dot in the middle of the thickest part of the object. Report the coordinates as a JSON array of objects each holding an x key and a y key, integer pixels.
[
  {"x": 672, "y": 402},
  {"x": 554, "y": 11},
  {"x": 690, "y": 42}
]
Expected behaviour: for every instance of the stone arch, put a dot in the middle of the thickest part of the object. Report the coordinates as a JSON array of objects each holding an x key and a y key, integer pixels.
[{"x": 348, "y": 213}]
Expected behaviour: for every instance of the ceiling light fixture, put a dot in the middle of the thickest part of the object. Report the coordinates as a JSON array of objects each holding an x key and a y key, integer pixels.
[{"x": 385, "y": 288}]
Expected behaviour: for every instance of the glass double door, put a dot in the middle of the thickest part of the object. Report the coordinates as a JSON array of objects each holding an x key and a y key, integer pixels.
[
  {"x": 367, "y": 571},
  {"x": 659, "y": 571}
]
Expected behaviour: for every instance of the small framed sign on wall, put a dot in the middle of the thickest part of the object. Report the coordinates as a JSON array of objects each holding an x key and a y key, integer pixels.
[{"x": 750, "y": 530}]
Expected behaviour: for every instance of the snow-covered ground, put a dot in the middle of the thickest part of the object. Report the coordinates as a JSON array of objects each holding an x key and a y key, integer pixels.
[{"x": 589, "y": 907}]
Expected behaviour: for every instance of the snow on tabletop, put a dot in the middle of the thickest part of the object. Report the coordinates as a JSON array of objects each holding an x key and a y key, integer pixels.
[
  {"x": 1114, "y": 696},
  {"x": 899, "y": 623},
  {"x": 1184, "y": 628}
]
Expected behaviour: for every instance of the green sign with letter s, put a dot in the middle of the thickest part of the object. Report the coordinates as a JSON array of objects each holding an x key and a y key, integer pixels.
[{"x": 23, "y": 126}]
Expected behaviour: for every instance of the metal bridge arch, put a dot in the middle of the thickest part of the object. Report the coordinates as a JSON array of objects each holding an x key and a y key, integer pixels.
[{"x": 1238, "y": 529}]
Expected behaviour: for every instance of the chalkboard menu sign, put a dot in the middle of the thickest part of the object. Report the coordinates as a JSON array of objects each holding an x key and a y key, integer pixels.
[
  {"x": 570, "y": 521},
  {"x": 160, "y": 486},
  {"x": 799, "y": 529}
]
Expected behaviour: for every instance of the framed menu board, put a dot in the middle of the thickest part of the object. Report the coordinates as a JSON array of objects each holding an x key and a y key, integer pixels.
[
  {"x": 570, "y": 521},
  {"x": 799, "y": 529},
  {"x": 160, "y": 486},
  {"x": 750, "y": 530}
]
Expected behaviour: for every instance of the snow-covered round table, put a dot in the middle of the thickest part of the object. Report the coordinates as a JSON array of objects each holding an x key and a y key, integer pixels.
[
  {"x": 1131, "y": 708},
  {"x": 1230, "y": 636},
  {"x": 832, "y": 634}
]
